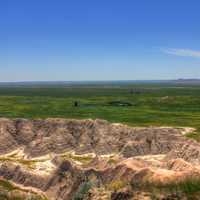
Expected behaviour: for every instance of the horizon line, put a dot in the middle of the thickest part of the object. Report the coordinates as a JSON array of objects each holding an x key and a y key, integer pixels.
[{"x": 109, "y": 80}]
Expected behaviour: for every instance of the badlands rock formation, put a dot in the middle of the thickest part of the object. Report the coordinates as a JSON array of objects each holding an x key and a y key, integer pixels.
[{"x": 60, "y": 159}]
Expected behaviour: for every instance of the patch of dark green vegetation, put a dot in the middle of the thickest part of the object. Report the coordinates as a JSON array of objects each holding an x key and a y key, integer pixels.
[
  {"x": 83, "y": 190},
  {"x": 153, "y": 104},
  {"x": 189, "y": 188}
]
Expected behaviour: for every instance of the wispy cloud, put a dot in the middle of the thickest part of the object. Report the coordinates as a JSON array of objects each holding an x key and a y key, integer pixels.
[{"x": 182, "y": 52}]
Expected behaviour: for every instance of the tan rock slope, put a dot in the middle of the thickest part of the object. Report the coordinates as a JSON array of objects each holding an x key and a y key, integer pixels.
[{"x": 93, "y": 159}]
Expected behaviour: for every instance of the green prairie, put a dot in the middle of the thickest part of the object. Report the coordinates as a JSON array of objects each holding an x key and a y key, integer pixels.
[{"x": 152, "y": 104}]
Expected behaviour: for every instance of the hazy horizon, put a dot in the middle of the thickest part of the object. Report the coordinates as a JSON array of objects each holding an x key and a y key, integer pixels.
[{"x": 102, "y": 81}]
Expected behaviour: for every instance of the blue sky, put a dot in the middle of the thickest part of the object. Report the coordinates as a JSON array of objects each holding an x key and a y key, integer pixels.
[{"x": 99, "y": 39}]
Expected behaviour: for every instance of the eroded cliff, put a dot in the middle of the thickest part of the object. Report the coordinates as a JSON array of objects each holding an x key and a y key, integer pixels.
[{"x": 93, "y": 159}]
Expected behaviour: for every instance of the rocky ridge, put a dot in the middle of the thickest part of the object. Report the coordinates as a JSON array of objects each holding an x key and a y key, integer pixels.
[{"x": 93, "y": 159}]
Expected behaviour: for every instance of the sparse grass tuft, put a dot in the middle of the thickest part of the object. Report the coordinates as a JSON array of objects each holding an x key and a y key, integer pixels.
[
  {"x": 194, "y": 135},
  {"x": 112, "y": 161},
  {"x": 116, "y": 185},
  {"x": 84, "y": 159}
]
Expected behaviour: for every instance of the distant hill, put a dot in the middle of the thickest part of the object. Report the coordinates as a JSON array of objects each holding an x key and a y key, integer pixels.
[
  {"x": 187, "y": 81},
  {"x": 96, "y": 83}
]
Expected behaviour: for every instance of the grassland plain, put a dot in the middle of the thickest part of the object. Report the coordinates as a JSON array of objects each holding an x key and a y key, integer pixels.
[{"x": 152, "y": 104}]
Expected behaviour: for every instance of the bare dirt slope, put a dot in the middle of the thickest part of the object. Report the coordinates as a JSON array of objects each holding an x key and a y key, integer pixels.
[{"x": 93, "y": 159}]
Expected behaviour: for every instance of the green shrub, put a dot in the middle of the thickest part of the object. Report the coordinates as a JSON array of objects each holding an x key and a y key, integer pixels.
[
  {"x": 190, "y": 186},
  {"x": 83, "y": 190}
]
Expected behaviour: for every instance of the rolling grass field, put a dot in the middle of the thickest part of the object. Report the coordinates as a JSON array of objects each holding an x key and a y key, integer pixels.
[{"x": 152, "y": 104}]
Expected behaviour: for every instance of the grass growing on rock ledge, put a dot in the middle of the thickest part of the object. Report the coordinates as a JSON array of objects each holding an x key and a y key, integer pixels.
[
  {"x": 7, "y": 185},
  {"x": 189, "y": 188},
  {"x": 8, "y": 191},
  {"x": 153, "y": 105},
  {"x": 30, "y": 164},
  {"x": 82, "y": 159}
]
